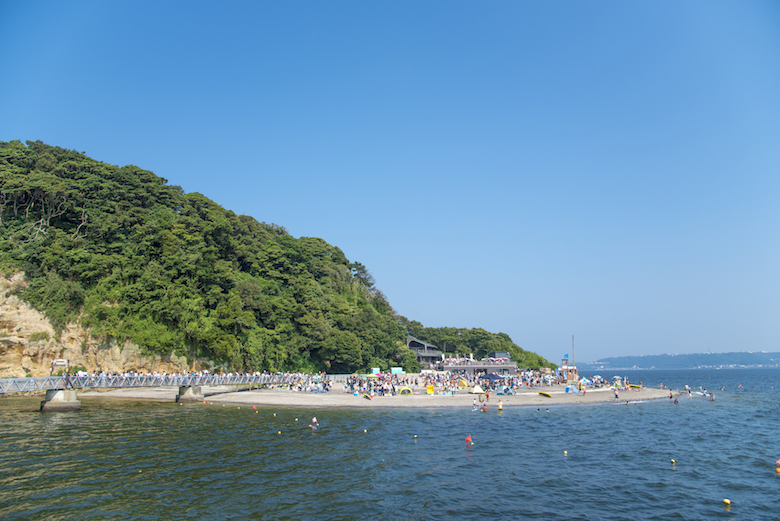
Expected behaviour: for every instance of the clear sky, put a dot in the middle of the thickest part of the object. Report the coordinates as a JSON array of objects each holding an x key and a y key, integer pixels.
[{"x": 609, "y": 170}]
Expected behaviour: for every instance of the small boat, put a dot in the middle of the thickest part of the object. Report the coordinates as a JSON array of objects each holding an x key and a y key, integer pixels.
[{"x": 545, "y": 394}]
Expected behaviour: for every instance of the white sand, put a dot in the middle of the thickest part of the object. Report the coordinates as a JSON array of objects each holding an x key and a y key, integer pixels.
[{"x": 336, "y": 398}]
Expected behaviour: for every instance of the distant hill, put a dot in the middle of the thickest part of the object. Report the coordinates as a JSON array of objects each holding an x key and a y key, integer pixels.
[
  {"x": 129, "y": 257},
  {"x": 687, "y": 361}
]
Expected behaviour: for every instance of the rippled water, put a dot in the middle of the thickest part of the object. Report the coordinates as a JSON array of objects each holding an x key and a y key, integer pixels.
[{"x": 127, "y": 460}]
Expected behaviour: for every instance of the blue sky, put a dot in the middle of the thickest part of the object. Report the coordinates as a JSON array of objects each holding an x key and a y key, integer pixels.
[{"x": 608, "y": 170}]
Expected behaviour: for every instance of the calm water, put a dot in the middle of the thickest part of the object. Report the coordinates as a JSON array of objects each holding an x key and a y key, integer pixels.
[{"x": 123, "y": 460}]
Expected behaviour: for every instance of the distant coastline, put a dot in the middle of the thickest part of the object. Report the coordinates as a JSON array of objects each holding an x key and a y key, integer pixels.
[{"x": 735, "y": 360}]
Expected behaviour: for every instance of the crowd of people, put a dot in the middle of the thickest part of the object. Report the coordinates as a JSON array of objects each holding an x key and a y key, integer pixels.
[
  {"x": 445, "y": 383},
  {"x": 386, "y": 384}
]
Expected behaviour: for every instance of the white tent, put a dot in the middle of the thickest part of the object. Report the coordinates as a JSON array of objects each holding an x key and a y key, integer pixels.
[{"x": 477, "y": 390}]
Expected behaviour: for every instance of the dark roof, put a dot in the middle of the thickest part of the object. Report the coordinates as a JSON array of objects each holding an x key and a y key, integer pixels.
[
  {"x": 419, "y": 344},
  {"x": 423, "y": 349}
]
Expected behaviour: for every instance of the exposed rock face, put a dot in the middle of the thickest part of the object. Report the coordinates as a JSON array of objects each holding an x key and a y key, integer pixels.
[{"x": 28, "y": 344}]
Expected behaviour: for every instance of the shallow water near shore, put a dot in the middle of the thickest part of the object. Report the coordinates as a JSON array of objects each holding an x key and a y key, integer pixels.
[{"x": 132, "y": 460}]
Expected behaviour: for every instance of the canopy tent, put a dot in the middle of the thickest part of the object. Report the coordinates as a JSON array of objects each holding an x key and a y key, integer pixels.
[
  {"x": 492, "y": 377},
  {"x": 477, "y": 390},
  {"x": 405, "y": 390}
]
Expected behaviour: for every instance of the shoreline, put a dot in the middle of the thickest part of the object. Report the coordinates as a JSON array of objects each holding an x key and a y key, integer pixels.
[{"x": 337, "y": 399}]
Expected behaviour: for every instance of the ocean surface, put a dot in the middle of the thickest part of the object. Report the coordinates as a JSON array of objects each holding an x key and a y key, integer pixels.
[{"x": 132, "y": 460}]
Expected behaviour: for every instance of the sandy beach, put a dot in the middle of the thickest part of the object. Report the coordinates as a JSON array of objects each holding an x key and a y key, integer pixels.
[{"x": 282, "y": 398}]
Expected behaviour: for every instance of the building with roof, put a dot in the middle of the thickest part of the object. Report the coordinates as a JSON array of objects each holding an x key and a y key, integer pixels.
[{"x": 429, "y": 355}]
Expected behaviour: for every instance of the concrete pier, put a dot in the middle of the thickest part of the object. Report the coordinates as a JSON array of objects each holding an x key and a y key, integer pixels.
[
  {"x": 190, "y": 394},
  {"x": 60, "y": 400}
]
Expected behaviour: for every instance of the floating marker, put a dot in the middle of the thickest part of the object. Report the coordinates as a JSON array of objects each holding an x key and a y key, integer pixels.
[
  {"x": 777, "y": 469},
  {"x": 274, "y": 414},
  {"x": 239, "y": 407},
  {"x": 726, "y": 501},
  {"x": 204, "y": 402},
  {"x": 364, "y": 430},
  {"x": 778, "y": 463},
  {"x": 255, "y": 412},
  {"x": 468, "y": 439},
  {"x": 254, "y": 407},
  {"x": 415, "y": 435},
  {"x": 673, "y": 462},
  {"x": 296, "y": 419}
]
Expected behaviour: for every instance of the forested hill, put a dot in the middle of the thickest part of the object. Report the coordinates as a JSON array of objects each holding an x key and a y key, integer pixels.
[{"x": 131, "y": 257}]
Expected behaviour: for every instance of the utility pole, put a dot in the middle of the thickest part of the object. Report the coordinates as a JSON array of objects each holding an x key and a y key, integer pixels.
[{"x": 573, "y": 356}]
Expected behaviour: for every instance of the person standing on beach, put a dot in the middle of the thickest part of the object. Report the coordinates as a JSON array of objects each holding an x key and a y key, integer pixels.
[{"x": 617, "y": 396}]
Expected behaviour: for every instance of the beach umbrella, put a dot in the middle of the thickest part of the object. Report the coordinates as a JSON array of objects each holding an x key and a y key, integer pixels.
[{"x": 477, "y": 390}]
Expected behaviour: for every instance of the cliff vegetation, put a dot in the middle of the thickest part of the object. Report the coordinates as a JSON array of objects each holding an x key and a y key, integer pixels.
[{"x": 131, "y": 258}]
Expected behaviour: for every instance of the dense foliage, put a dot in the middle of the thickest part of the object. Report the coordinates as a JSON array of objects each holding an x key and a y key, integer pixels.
[{"x": 132, "y": 257}]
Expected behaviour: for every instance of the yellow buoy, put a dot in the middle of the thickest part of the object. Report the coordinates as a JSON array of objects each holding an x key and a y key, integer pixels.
[
  {"x": 673, "y": 462},
  {"x": 296, "y": 419},
  {"x": 566, "y": 453},
  {"x": 777, "y": 470},
  {"x": 239, "y": 407},
  {"x": 204, "y": 402},
  {"x": 255, "y": 412},
  {"x": 274, "y": 414},
  {"x": 415, "y": 435},
  {"x": 364, "y": 430},
  {"x": 726, "y": 501},
  {"x": 279, "y": 432}
]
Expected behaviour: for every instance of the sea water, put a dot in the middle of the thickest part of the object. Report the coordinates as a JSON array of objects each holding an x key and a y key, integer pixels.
[{"x": 131, "y": 460}]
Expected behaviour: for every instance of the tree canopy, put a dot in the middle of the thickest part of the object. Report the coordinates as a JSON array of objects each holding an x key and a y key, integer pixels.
[{"x": 131, "y": 257}]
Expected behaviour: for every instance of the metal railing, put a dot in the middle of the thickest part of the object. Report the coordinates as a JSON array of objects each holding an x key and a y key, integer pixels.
[{"x": 52, "y": 383}]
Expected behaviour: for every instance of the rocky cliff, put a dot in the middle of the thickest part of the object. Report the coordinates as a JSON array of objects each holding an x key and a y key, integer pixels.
[{"x": 28, "y": 344}]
